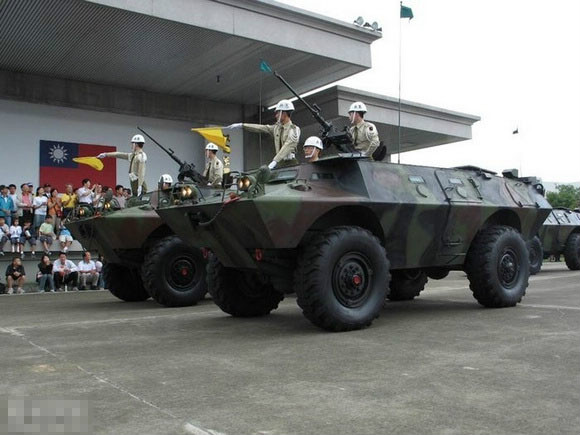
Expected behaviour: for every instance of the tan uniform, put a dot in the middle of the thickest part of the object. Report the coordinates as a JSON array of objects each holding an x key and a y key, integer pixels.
[
  {"x": 137, "y": 160},
  {"x": 214, "y": 172},
  {"x": 365, "y": 137},
  {"x": 286, "y": 137}
]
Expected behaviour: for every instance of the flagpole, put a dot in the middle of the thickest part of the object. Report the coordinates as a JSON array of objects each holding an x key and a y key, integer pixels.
[
  {"x": 399, "y": 129},
  {"x": 260, "y": 120}
]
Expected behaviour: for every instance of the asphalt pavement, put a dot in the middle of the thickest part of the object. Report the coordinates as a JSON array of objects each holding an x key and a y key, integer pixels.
[{"x": 441, "y": 364}]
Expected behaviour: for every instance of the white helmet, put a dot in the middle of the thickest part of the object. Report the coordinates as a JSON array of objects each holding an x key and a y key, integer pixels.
[
  {"x": 138, "y": 139},
  {"x": 166, "y": 178},
  {"x": 313, "y": 141},
  {"x": 357, "y": 106},
  {"x": 284, "y": 105},
  {"x": 211, "y": 146}
]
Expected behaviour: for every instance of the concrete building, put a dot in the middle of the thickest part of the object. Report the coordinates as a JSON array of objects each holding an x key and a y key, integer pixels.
[{"x": 91, "y": 71}]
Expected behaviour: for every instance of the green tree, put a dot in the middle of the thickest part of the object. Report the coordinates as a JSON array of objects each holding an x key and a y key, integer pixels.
[{"x": 566, "y": 196}]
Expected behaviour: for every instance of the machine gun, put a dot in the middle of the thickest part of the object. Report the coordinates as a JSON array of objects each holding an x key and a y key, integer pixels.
[
  {"x": 342, "y": 140},
  {"x": 186, "y": 170}
]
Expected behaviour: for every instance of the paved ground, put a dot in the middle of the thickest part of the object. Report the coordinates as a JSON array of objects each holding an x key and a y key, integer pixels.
[{"x": 440, "y": 364}]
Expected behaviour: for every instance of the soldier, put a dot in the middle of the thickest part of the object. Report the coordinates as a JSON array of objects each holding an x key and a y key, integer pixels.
[
  {"x": 285, "y": 134},
  {"x": 137, "y": 160},
  {"x": 163, "y": 196},
  {"x": 364, "y": 134},
  {"x": 214, "y": 168},
  {"x": 165, "y": 182},
  {"x": 312, "y": 149}
]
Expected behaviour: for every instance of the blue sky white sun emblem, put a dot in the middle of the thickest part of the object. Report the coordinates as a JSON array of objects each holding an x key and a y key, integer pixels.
[{"x": 58, "y": 153}]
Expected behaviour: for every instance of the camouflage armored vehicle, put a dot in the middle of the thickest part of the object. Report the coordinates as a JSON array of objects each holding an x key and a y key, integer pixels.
[
  {"x": 345, "y": 233},
  {"x": 143, "y": 257},
  {"x": 559, "y": 235}
]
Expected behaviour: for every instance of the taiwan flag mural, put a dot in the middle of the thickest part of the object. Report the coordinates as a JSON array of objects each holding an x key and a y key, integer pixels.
[{"x": 57, "y": 167}]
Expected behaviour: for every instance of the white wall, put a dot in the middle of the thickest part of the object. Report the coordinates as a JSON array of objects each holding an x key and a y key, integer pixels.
[{"x": 23, "y": 125}]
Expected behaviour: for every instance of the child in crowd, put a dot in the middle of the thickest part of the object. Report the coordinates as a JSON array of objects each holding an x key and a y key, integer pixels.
[
  {"x": 29, "y": 236},
  {"x": 15, "y": 233},
  {"x": 46, "y": 232},
  {"x": 65, "y": 238},
  {"x": 4, "y": 234}
]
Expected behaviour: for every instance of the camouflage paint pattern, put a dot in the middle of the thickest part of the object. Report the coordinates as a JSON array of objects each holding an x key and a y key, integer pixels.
[
  {"x": 121, "y": 236},
  {"x": 557, "y": 228},
  {"x": 117, "y": 234},
  {"x": 424, "y": 216}
]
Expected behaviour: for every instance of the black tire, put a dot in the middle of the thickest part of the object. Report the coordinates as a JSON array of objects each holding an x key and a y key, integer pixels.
[
  {"x": 572, "y": 251},
  {"x": 174, "y": 273},
  {"x": 407, "y": 284},
  {"x": 240, "y": 293},
  {"x": 437, "y": 273},
  {"x": 536, "y": 254},
  {"x": 124, "y": 283},
  {"x": 341, "y": 279},
  {"x": 498, "y": 267}
]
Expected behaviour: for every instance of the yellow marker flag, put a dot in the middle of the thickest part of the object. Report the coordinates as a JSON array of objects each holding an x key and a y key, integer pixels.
[
  {"x": 93, "y": 162},
  {"x": 215, "y": 135}
]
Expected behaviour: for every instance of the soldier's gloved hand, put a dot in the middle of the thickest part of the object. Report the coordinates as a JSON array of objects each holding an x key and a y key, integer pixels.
[
  {"x": 234, "y": 126},
  {"x": 102, "y": 156},
  {"x": 272, "y": 164}
]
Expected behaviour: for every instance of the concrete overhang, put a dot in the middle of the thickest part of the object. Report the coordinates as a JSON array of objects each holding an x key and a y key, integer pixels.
[
  {"x": 209, "y": 49},
  {"x": 422, "y": 126}
]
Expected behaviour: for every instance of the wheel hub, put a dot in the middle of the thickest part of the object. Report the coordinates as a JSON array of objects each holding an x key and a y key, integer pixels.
[
  {"x": 181, "y": 273},
  {"x": 508, "y": 268},
  {"x": 351, "y": 279}
]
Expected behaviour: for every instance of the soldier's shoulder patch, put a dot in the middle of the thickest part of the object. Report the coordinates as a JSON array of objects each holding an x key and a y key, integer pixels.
[
  {"x": 294, "y": 133},
  {"x": 371, "y": 131}
]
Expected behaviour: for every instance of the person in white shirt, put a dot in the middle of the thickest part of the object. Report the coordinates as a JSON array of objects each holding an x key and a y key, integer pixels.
[
  {"x": 15, "y": 234},
  {"x": 39, "y": 205},
  {"x": 65, "y": 272},
  {"x": 14, "y": 196},
  {"x": 99, "y": 265},
  {"x": 88, "y": 272},
  {"x": 85, "y": 194}
]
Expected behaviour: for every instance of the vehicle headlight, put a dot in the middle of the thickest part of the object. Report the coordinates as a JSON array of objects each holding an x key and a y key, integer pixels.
[
  {"x": 82, "y": 212},
  {"x": 107, "y": 206},
  {"x": 244, "y": 183},
  {"x": 186, "y": 192}
]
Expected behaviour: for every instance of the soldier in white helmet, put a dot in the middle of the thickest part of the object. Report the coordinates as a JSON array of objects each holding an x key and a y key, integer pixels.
[
  {"x": 312, "y": 148},
  {"x": 214, "y": 168},
  {"x": 137, "y": 162},
  {"x": 286, "y": 135},
  {"x": 165, "y": 182},
  {"x": 364, "y": 134}
]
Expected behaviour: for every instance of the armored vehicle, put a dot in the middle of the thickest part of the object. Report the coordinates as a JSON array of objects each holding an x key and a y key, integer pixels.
[
  {"x": 560, "y": 234},
  {"x": 143, "y": 257},
  {"x": 346, "y": 232}
]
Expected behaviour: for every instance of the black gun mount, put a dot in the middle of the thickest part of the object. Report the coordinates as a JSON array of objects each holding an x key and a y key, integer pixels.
[
  {"x": 342, "y": 140},
  {"x": 186, "y": 170}
]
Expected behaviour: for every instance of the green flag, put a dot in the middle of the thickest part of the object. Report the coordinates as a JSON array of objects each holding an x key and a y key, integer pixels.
[
  {"x": 406, "y": 12},
  {"x": 265, "y": 67}
]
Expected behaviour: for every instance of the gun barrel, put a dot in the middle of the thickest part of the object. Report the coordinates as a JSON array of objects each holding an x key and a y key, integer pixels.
[
  {"x": 169, "y": 151},
  {"x": 326, "y": 126}
]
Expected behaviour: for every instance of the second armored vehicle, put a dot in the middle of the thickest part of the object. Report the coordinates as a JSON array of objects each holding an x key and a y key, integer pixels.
[
  {"x": 560, "y": 234},
  {"x": 143, "y": 256}
]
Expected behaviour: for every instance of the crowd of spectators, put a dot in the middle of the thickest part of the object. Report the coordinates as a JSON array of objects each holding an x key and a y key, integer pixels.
[
  {"x": 57, "y": 276},
  {"x": 37, "y": 221},
  {"x": 27, "y": 218}
]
